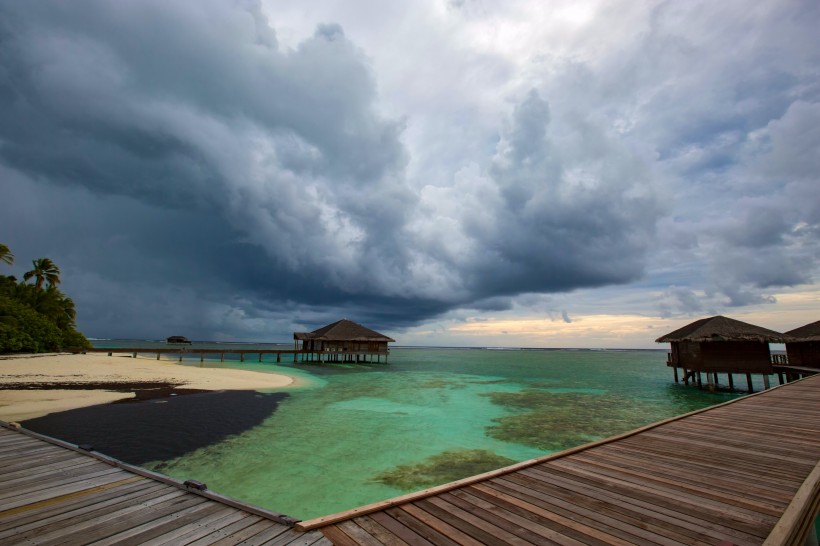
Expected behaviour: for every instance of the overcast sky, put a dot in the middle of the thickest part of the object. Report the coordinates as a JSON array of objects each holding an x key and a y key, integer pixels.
[{"x": 521, "y": 173}]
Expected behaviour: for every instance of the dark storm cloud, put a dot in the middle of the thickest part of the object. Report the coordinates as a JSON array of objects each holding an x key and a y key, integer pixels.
[
  {"x": 211, "y": 172},
  {"x": 190, "y": 172}
]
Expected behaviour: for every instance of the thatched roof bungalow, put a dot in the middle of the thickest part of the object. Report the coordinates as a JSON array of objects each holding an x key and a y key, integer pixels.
[
  {"x": 803, "y": 349},
  {"x": 346, "y": 337},
  {"x": 722, "y": 345}
]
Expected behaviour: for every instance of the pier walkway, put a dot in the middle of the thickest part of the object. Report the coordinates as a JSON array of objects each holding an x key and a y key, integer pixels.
[
  {"x": 52, "y": 492},
  {"x": 746, "y": 472}
]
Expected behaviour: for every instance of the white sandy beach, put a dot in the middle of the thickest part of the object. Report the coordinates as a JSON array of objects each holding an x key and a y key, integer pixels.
[{"x": 21, "y": 404}]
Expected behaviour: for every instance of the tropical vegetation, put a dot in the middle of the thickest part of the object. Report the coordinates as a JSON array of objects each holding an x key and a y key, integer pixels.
[{"x": 37, "y": 317}]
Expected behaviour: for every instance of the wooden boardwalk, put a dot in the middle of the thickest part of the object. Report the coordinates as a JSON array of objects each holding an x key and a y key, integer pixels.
[
  {"x": 745, "y": 472},
  {"x": 54, "y": 493}
]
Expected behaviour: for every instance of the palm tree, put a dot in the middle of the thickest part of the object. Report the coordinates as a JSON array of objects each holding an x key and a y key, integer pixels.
[
  {"x": 6, "y": 255},
  {"x": 44, "y": 271}
]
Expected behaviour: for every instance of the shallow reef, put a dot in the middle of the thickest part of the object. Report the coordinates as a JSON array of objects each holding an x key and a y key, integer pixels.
[
  {"x": 445, "y": 467},
  {"x": 555, "y": 421}
]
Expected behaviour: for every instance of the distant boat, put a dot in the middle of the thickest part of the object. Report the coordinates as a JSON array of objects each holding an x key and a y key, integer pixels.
[{"x": 178, "y": 339}]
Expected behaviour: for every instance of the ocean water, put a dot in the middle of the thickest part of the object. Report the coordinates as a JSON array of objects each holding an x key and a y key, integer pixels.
[{"x": 354, "y": 434}]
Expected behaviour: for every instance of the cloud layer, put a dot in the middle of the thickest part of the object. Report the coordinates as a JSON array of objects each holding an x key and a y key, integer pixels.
[{"x": 239, "y": 170}]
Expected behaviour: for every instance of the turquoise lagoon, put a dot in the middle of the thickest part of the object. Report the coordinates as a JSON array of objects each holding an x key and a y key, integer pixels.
[{"x": 350, "y": 435}]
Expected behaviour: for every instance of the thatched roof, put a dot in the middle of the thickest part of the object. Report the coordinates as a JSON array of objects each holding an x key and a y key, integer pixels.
[
  {"x": 721, "y": 328},
  {"x": 809, "y": 332},
  {"x": 343, "y": 330}
]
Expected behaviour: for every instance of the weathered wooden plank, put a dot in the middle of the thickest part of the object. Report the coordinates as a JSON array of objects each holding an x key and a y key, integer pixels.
[
  {"x": 134, "y": 535},
  {"x": 704, "y": 489},
  {"x": 689, "y": 508},
  {"x": 798, "y": 519},
  {"x": 67, "y": 489},
  {"x": 717, "y": 480},
  {"x": 80, "y": 526},
  {"x": 395, "y": 527},
  {"x": 250, "y": 532},
  {"x": 421, "y": 529},
  {"x": 643, "y": 509},
  {"x": 547, "y": 508},
  {"x": 740, "y": 518},
  {"x": 218, "y": 523},
  {"x": 553, "y": 529},
  {"x": 597, "y": 511},
  {"x": 54, "y": 516},
  {"x": 494, "y": 525},
  {"x": 354, "y": 532},
  {"x": 440, "y": 526},
  {"x": 340, "y": 538},
  {"x": 380, "y": 533}
]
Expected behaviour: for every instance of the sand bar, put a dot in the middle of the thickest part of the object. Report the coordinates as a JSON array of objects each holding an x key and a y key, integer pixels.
[{"x": 96, "y": 369}]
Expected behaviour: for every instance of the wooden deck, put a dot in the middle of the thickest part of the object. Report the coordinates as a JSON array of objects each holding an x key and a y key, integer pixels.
[
  {"x": 745, "y": 472},
  {"x": 53, "y": 493}
]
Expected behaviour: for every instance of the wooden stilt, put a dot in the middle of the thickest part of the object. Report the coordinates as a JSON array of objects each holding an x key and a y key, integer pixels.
[
  {"x": 749, "y": 382},
  {"x": 157, "y": 356},
  {"x": 675, "y": 373},
  {"x": 731, "y": 381},
  {"x": 278, "y": 357},
  {"x": 700, "y": 382},
  {"x": 766, "y": 381},
  {"x": 202, "y": 357},
  {"x": 241, "y": 357},
  {"x": 222, "y": 357},
  {"x": 685, "y": 377},
  {"x": 780, "y": 377},
  {"x": 715, "y": 377},
  {"x": 260, "y": 357}
]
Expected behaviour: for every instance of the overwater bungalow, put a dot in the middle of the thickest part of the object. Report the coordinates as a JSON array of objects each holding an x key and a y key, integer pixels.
[
  {"x": 721, "y": 345},
  {"x": 343, "y": 341},
  {"x": 804, "y": 348}
]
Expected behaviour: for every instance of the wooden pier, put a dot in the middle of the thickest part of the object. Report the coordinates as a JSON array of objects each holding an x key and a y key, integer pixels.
[
  {"x": 746, "y": 472},
  {"x": 52, "y": 492},
  {"x": 299, "y": 355}
]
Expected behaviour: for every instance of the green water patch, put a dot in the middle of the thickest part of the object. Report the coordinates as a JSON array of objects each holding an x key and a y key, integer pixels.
[
  {"x": 554, "y": 420},
  {"x": 445, "y": 467}
]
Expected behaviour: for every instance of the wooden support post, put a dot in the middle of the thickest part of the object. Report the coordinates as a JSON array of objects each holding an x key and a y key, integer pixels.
[
  {"x": 278, "y": 357},
  {"x": 780, "y": 377},
  {"x": 675, "y": 373},
  {"x": 260, "y": 357},
  {"x": 715, "y": 377},
  {"x": 222, "y": 357},
  {"x": 685, "y": 377},
  {"x": 241, "y": 357},
  {"x": 700, "y": 382},
  {"x": 766, "y": 381},
  {"x": 157, "y": 356},
  {"x": 749, "y": 382},
  {"x": 731, "y": 381},
  {"x": 201, "y": 357}
]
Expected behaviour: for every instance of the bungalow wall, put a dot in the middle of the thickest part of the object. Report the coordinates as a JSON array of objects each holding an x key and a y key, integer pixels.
[
  {"x": 804, "y": 353},
  {"x": 723, "y": 356},
  {"x": 359, "y": 347}
]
